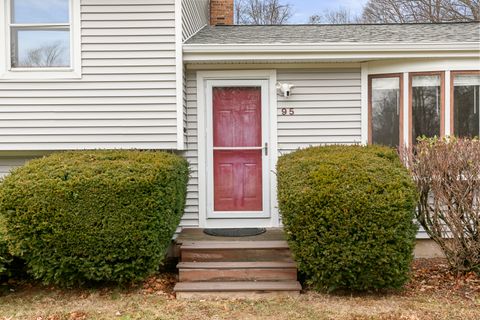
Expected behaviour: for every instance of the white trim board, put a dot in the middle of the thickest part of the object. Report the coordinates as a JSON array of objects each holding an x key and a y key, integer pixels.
[
  {"x": 333, "y": 47},
  {"x": 424, "y": 65},
  {"x": 179, "y": 74},
  {"x": 448, "y": 105},
  {"x": 269, "y": 79},
  {"x": 348, "y": 52},
  {"x": 364, "y": 93}
]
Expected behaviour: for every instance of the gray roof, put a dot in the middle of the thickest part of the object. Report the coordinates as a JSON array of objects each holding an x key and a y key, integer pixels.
[{"x": 371, "y": 33}]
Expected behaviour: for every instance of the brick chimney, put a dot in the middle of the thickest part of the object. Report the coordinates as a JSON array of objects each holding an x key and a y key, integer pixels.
[{"x": 221, "y": 12}]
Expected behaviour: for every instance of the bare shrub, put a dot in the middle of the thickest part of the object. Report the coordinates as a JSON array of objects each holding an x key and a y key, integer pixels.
[{"x": 447, "y": 174}]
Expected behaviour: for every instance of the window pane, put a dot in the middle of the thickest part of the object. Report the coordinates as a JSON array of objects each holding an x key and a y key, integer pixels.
[
  {"x": 466, "y": 104},
  {"x": 40, "y": 11},
  {"x": 40, "y": 48},
  {"x": 386, "y": 111},
  {"x": 426, "y": 106}
]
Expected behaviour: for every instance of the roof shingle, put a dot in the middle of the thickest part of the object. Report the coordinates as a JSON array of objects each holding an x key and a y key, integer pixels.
[{"x": 355, "y": 33}]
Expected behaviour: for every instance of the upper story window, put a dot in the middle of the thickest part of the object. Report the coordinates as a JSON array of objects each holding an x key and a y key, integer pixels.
[
  {"x": 42, "y": 39},
  {"x": 40, "y": 34},
  {"x": 466, "y": 104},
  {"x": 385, "y": 110}
]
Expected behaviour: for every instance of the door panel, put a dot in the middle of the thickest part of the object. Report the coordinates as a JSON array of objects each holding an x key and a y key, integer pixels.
[
  {"x": 237, "y": 117},
  {"x": 237, "y": 149},
  {"x": 237, "y": 180}
]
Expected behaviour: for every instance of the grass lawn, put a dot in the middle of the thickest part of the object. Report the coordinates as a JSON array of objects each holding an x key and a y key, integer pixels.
[{"x": 432, "y": 294}]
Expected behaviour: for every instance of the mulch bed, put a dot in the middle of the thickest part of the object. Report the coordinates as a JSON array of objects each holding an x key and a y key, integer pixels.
[
  {"x": 432, "y": 276},
  {"x": 161, "y": 284}
]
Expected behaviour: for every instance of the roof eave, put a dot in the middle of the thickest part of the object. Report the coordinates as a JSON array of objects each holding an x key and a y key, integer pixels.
[{"x": 326, "y": 51}]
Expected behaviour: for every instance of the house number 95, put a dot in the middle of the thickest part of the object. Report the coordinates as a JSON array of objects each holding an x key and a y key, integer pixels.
[{"x": 288, "y": 111}]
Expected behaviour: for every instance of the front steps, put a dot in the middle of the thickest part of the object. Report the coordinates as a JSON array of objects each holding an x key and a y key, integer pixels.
[{"x": 246, "y": 268}]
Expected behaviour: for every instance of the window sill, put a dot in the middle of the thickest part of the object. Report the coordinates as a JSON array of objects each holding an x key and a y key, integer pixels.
[{"x": 26, "y": 75}]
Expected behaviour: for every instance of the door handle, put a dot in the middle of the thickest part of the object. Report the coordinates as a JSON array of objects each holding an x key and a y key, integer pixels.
[{"x": 266, "y": 148}]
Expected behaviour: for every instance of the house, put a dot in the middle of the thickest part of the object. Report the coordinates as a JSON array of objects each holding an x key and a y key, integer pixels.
[{"x": 160, "y": 74}]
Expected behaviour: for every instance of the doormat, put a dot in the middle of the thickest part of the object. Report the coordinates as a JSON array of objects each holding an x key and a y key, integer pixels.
[{"x": 238, "y": 232}]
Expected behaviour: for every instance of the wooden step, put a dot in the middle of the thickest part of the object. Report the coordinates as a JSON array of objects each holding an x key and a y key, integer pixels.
[
  {"x": 237, "y": 271},
  {"x": 235, "y": 245},
  {"x": 236, "y": 289},
  {"x": 219, "y": 251}
]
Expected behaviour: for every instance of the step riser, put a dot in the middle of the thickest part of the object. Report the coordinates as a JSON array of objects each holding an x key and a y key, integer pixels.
[
  {"x": 235, "y": 295},
  {"x": 198, "y": 275},
  {"x": 235, "y": 255}
]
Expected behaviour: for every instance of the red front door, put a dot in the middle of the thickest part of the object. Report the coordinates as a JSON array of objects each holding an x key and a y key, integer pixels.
[{"x": 237, "y": 149}]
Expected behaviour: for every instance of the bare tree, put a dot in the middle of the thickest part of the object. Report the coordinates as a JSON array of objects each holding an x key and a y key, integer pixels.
[
  {"x": 339, "y": 16},
  {"x": 405, "y": 11},
  {"x": 45, "y": 56},
  {"x": 315, "y": 19},
  {"x": 262, "y": 12}
]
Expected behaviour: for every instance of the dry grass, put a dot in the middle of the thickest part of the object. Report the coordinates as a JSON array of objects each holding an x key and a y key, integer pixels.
[
  {"x": 55, "y": 305},
  {"x": 432, "y": 295}
]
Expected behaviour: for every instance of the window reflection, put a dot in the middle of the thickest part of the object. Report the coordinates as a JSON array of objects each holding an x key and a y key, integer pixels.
[
  {"x": 40, "y": 48},
  {"x": 426, "y": 106},
  {"x": 385, "y": 112},
  {"x": 466, "y": 105}
]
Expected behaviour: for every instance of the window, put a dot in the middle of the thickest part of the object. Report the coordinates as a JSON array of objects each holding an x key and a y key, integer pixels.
[
  {"x": 42, "y": 39},
  {"x": 39, "y": 33},
  {"x": 426, "y": 105},
  {"x": 385, "y": 110},
  {"x": 466, "y": 104}
]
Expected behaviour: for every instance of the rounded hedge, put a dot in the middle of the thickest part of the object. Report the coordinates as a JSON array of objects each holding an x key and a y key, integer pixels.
[
  {"x": 86, "y": 216},
  {"x": 5, "y": 259},
  {"x": 348, "y": 213}
]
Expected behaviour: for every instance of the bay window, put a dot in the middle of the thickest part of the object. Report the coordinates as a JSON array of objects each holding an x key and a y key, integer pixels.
[
  {"x": 465, "y": 104},
  {"x": 385, "y": 110}
]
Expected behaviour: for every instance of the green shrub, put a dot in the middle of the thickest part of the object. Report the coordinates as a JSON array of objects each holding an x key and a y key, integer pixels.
[
  {"x": 348, "y": 212},
  {"x": 86, "y": 216},
  {"x": 5, "y": 259},
  {"x": 10, "y": 266}
]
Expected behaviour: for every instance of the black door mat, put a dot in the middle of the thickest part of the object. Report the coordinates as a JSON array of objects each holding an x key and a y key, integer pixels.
[{"x": 238, "y": 232}]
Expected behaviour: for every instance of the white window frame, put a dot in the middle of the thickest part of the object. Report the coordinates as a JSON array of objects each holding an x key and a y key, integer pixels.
[{"x": 7, "y": 72}]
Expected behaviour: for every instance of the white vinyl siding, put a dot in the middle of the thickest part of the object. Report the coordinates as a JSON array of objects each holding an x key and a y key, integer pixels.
[
  {"x": 327, "y": 107},
  {"x": 126, "y": 97},
  {"x": 191, "y": 218},
  {"x": 195, "y": 15}
]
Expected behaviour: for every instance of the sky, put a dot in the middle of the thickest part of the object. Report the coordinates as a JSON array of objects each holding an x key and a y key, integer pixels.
[
  {"x": 32, "y": 11},
  {"x": 303, "y": 9}
]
